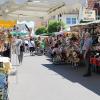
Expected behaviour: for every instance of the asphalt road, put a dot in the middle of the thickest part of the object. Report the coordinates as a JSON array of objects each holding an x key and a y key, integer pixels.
[{"x": 38, "y": 79}]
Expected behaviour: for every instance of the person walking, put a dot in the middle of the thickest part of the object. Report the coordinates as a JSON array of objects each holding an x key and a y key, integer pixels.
[
  {"x": 26, "y": 46},
  {"x": 22, "y": 50},
  {"x": 87, "y": 52},
  {"x": 31, "y": 46},
  {"x": 19, "y": 49}
]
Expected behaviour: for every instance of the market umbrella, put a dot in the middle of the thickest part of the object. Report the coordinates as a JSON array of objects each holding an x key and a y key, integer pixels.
[
  {"x": 46, "y": 34},
  {"x": 19, "y": 33},
  {"x": 58, "y": 33}
]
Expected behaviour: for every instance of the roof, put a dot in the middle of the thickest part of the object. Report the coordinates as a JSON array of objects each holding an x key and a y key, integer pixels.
[
  {"x": 83, "y": 24},
  {"x": 29, "y": 9}
]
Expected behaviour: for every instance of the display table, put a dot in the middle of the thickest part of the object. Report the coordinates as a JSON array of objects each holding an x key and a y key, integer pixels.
[{"x": 6, "y": 64}]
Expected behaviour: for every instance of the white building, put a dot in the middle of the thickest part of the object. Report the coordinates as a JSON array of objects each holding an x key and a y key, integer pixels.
[
  {"x": 72, "y": 13},
  {"x": 68, "y": 12},
  {"x": 68, "y": 16},
  {"x": 65, "y": 10},
  {"x": 70, "y": 19}
]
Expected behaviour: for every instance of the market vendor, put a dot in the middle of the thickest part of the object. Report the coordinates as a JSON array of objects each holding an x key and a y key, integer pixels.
[{"x": 86, "y": 52}]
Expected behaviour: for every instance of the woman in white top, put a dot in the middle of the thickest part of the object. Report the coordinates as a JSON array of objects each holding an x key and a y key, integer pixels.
[{"x": 19, "y": 52}]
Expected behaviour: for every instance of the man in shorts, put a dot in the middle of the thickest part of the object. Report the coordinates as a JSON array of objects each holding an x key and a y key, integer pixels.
[{"x": 31, "y": 46}]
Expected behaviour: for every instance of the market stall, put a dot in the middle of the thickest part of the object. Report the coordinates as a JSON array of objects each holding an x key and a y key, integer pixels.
[
  {"x": 64, "y": 47},
  {"x": 94, "y": 29},
  {"x": 5, "y": 64},
  {"x": 5, "y": 69},
  {"x": 95, "y": 56}
]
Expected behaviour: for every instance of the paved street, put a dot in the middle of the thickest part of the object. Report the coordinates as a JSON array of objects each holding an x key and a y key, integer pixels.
[{"x": 38, "y": 79}]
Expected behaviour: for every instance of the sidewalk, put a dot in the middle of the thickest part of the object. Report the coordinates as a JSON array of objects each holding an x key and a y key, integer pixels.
[{"x": 38, "y": 79}]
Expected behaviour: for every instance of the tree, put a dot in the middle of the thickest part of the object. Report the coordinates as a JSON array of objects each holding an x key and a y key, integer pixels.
[
  {"x": 55, "y": 26},
  {"x": 41, "y": 30}
]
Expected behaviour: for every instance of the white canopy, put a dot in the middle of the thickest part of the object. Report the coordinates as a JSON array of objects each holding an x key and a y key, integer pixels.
[{"x": 88, "y": 23}]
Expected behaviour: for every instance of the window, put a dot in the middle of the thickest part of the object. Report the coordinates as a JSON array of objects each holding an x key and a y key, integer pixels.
[
  {"x": 68, "y": 20},
  {"x": 73, "y": 20}
]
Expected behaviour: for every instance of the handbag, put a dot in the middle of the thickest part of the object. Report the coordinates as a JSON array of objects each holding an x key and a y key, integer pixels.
[{"x": 22, "y": 48}]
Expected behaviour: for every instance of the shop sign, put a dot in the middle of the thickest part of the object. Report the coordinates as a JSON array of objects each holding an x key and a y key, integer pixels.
[{"x": 89, "y": 15}]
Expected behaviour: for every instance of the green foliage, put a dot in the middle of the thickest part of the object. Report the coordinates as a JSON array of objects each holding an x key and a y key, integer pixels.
[
  {"x": 41, "y": 30},
  {"x": 55, "y": 26}
]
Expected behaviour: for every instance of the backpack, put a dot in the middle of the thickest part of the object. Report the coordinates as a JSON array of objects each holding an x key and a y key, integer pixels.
[{"x": 22, "y": 48}]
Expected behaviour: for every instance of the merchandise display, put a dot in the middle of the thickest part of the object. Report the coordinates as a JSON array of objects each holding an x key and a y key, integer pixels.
[
  {"x": 94, "y": 29},
  {"x": 64, "y": 48},
  {"x": 5, "y": 63},
  {"x": 3, "y": 86}
]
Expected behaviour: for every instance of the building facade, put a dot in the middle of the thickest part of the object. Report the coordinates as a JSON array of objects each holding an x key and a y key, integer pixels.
[
  {"x": 69, "y": 17},
  {"x": 95, "y": 5}
]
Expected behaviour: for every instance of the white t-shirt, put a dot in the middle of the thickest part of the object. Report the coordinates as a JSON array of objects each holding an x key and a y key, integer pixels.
[
  {"x": 18, "y": 42},
  {"x": 26, "y": 42},
  {"x": 31, "y": 44}
]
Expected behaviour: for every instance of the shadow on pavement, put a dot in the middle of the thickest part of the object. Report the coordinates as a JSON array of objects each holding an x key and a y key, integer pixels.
[{"x": 92, "y": 83}]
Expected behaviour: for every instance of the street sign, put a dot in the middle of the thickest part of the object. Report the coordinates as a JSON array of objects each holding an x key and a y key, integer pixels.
[{"x": 89, "y": 15}]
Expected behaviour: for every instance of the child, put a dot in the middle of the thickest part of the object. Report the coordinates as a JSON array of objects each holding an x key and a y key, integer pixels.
[
  {"x": 75, "y": 60},
  {"x": 56, "y": 54}
]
